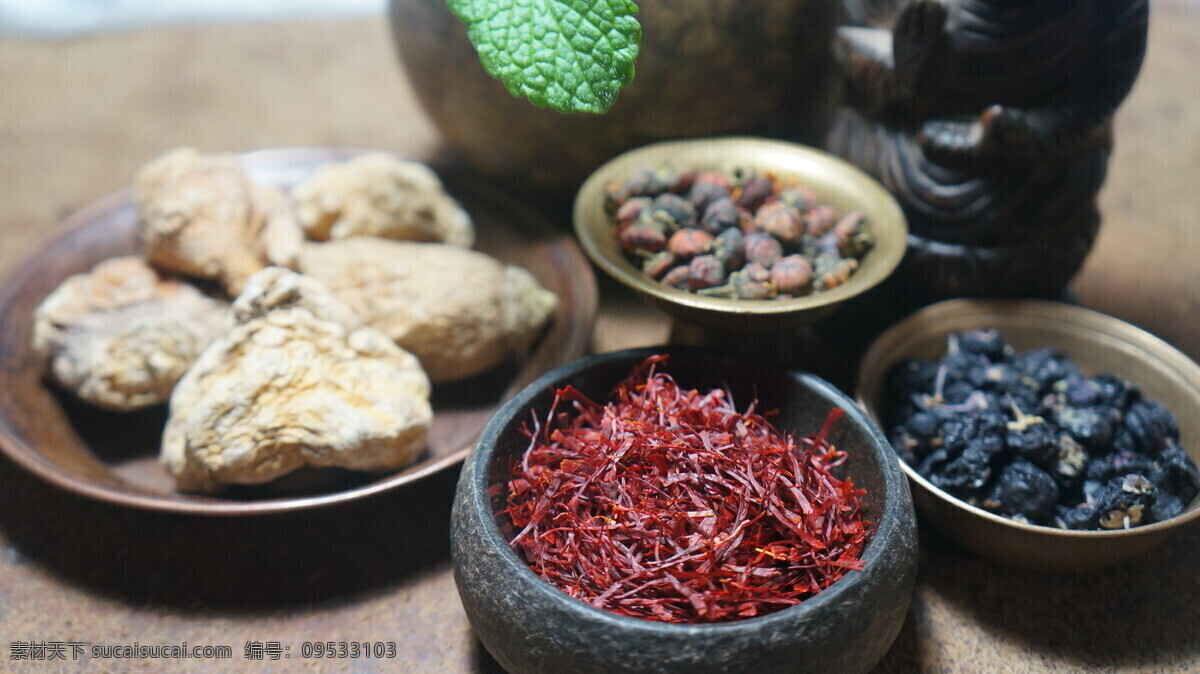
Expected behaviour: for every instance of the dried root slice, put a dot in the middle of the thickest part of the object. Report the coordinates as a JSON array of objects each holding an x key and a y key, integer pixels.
[
  {"x": 120, "y": 336},
  {"x": 380, "y": 195},
  {"x": 458, "y": 310},
  {"x": 297, "y": 381},
  {"x": 203, "y": 218}
]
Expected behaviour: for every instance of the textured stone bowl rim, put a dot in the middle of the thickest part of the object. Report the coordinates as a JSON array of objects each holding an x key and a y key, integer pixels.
[
  {"x": 896, "y": 497},
  {"x": 831, "y": 179},
  {"x": 888, "y": 348},
  {"x": 31, "y": 458}
]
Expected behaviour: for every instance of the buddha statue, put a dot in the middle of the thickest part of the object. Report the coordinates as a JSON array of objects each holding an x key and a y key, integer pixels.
[{"x": 991, "y": 123}]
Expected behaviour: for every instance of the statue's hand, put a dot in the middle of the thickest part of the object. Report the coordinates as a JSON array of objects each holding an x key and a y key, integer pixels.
[
  {"x": 919, "y": 36},
  {"x": 951, "y": 141},
  {"x": 999, "y": 131}
]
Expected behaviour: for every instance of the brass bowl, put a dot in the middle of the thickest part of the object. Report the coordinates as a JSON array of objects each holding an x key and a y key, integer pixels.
[
  {"x": 1096, "y": 342},
  {"x": 832, "y": 180}
]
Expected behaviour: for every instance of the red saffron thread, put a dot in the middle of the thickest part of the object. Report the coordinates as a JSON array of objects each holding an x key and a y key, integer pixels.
[{"x": 669, "y": 504}]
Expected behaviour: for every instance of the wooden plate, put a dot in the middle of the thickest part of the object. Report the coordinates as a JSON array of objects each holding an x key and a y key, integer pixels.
[{"x": 114, "y": 456}]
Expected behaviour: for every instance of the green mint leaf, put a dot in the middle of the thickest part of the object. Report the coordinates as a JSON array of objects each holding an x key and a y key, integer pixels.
[{"x": 571, "y": 55}]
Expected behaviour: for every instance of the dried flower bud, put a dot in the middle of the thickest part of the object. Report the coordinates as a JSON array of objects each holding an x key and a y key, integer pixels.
[
  {"x": 684, "y": 179},
  {"x": 853, "y": 238},
  {"x": 660, "y": 220},
  {"x": 631, "y": 210},
  {"x": 745, "y": 285},
  {"x": 856, "y": 245},
  {"x": 746, "y": 221},
  {"x": 679, "y": 210},
  {"x": 678, "y": 277},
  {"x": 755, "y": 191},
  {"x": 850, "y": 223},
  {"x": 716, "y": 177},
  {"x": 644, "y": 182},
  {"x": 690, "y": 242},
  {"x": 809, "y": 246},
  {"x": 658, "y": 264},
  {"x": 799, "y": 198},
  {"x": 832, "y": 272},
  {"x": 705, "y": 271},
  {"x": 643, "y": 236},
  {"x": 730, "y": 248},
  {"x": 757, "y": 272},
  {"x": 829, "y": 244},
  {"x": 792, "y": 275},
  {"x": 709, "y": 187},
  {"x": 720, "y": 215},
  {"x": 819, "y": 219},
  {"x": 780, "y": 221},
  {"x": 763, "y": 249},
  {"x": 615, "y": 195}
]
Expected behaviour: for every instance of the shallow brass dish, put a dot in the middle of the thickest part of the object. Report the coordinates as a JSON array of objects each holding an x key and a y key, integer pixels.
[
  {"x": 1097, "y": 342},
  {"x": 832, "y": 180}
]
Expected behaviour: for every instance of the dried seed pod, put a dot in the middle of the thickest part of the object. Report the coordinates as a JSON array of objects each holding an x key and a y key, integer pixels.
[
  {"x": 852, "y": 237},
  {"x": 631, "y": 211},
  {"x": 707, "y": 188},
  {"x": 799, "y": 198},
  {"x": 688, "y": 243},
  {"x": 857, "y": 245},
  {"x": 730, "y": 248},
  {"x": 746, "y": 221},
  {"x": 721, "y": 214},
  {"x": 379, "y": 194},
  {"x": 121, "y": 335},
  {"x": 793, "y": 275},
  {"x": 819, "y": 219},
  {"x": 680, "y": 211},
  {"x": 644, "y": 236},
  {"x": 829, "y": 244},
  {"x": 705, "y": 271},
  {"x": 297, "y": 381},
  {"x": 615, "y": 196},
  {"x": 810, "y": 246},
  {"x": 850, "y": 223},
  {"x": 678, "y": 278},
  {"x": 757, "y": 272},
  {"x": 755, "y": 191},
  {"x": 458, "y": 310},
  {"x": 683, "y": 180},
  {"x": 658, "y": 264},
  {"x": 780, "y": 221},
  {"x": 644, "y": 181},
  {"x": 202, "y": 217},
  {"x": 763, "y": 249},
  {"x": 751, "y": 283},
  {"x": 832, "y": 272}
]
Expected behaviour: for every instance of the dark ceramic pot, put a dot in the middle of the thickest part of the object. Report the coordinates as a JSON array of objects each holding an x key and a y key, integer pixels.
[
  {"x": 717, "y": 67},
  {"x": 530, "y": 626}
]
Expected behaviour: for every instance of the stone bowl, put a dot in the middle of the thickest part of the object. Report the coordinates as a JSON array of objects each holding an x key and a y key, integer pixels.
[
  {"x": 530, "y": 626},
  {"x": 1097, "y": 342},
  {"x": 832, "y": 180}
]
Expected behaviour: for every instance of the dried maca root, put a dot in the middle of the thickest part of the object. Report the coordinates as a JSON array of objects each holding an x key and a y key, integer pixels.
[
  {"x": 735, "y": 234},
  {"x": 1029, "y": 436}
]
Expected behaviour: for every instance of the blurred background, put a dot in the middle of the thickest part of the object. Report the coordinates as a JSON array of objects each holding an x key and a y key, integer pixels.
[{"x": 65, "y": 18}]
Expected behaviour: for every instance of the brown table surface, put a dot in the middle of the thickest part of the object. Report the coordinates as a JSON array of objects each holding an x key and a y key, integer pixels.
[{"x": 76, "y": 119}]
